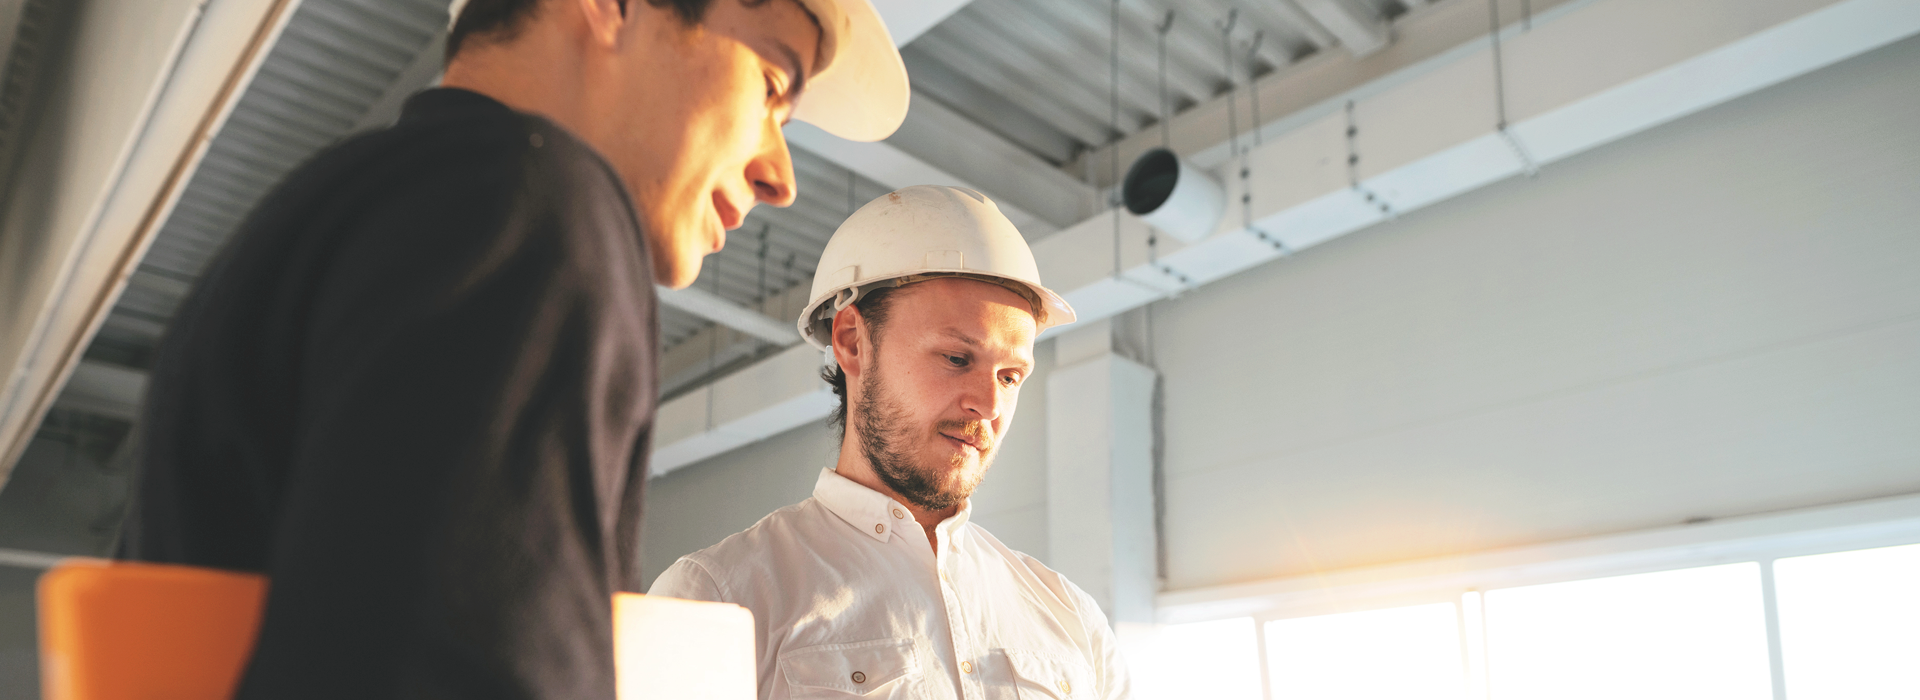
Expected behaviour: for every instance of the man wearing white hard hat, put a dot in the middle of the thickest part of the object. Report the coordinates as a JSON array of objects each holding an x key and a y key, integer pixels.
[
  {"x": 417, "y": 389},
  {"x": 927, "y": 303}
]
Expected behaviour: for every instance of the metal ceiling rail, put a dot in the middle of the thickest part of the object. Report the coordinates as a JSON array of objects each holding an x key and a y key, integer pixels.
[{"x": 1420, "y": 147}]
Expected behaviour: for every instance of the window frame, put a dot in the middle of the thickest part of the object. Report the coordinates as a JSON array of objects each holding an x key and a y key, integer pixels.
[{"x": 1461, "y": 579}]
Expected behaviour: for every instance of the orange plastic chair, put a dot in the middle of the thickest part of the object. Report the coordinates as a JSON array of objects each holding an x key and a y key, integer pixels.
[{"x": 132, "y": 631}]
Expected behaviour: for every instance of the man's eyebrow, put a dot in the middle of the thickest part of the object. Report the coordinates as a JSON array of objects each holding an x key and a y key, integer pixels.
[
  {"x": 963, "y": 338},
  {"x": 795, "y": 68}
]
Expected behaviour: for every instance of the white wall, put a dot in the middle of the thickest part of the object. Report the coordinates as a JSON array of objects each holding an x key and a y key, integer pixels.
[{"x": 1716, "y": 317}]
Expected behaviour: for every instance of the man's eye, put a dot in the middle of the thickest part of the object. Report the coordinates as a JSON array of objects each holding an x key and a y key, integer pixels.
[
  {"x": 1010, "y": 380},
  {"x": 957, "y": 360}
]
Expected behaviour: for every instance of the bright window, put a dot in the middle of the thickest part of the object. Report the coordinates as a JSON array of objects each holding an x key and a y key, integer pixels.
[
  {"x": 1214, "y": 659},
  {"x": 1691, "y": 634},
  {"x": 1410, "y": 653},
  {"x": 1850, "y": 624}
]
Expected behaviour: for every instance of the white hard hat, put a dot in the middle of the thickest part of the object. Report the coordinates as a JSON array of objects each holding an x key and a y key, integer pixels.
[
  {"x": 859, "y": 93},
  {"x": 919, "y": 232},
  {"x": 859, "y": 89}
]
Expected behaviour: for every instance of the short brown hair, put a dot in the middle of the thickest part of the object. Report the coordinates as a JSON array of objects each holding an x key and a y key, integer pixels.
[
  {"x": 875, "y": 307},
  {"x": 500, "y": 20}
]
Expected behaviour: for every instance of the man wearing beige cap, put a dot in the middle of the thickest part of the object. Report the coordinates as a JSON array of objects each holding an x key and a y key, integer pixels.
[
  {"x": 927, "y": 302},
  {"x": 417, "y": 389}
]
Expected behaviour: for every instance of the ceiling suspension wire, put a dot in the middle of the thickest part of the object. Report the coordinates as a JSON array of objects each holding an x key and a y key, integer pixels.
[
  {"x": 713, "y": 345},
  {"x": 1113, "y": 128},
  {"x": 1353, "y": 167},
  {"x": 1166, "y": 126},
  {"x": 1246, "y": 170},
  {"x": 760, "y": 288},
  {"x": 1527, "y": 163},
  {"x": 1253, "y": 98},
  {"x": 1253, "y": 86},
  {"x": 1166, "y": 110},
  {"x": 1233, "y": 86}
]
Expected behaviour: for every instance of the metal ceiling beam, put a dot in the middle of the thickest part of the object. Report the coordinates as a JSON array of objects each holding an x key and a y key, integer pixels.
[
  {"x": 1357, "y": 28},
  {"x": 154, "y": 80},
  {"x": 1438, "y": 148},
  {"x": 936, "y": 133},
  {"x": 705, "y": 304},
  {"x": 105, "y": 390},
  {"x": 889, "y": 165}
]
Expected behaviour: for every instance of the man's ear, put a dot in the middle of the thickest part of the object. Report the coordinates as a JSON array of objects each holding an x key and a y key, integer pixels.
[
  {"x": 606, "y": 19},
  {"x": 848, "y": 329}
]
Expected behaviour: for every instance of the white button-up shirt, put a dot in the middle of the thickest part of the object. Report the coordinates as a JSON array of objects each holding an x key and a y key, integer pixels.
[{"x": 849, "y": 600}]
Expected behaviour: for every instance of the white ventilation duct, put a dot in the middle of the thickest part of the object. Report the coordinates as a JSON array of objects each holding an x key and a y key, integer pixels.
[{"x": 1173, "y": 196}]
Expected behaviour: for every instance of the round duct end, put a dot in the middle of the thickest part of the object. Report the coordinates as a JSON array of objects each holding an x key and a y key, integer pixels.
[{"x": 1173, "y": 196}]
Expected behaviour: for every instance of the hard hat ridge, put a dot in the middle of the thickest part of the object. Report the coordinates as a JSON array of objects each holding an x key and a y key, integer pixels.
[{"x": 918, "y": 233}]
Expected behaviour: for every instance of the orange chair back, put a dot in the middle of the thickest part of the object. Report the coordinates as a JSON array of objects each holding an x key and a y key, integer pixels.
[{"x": 127, "y": 631}]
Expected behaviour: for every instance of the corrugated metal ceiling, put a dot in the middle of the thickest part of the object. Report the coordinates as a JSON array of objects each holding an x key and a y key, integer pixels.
[{"x": 1035, "y": 72}]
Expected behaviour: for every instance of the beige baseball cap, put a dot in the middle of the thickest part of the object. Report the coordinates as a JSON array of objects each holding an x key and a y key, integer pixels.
[{"x": 859, "y": 90}]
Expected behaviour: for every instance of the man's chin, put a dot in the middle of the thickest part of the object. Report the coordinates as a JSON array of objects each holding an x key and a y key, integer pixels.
[{"x": 677, "y": 271}]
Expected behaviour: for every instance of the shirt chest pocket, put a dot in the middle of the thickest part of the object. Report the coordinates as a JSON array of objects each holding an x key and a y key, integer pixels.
[
  {"x": 882, "y": 668},
  {"x": 1049, "y": 677}
]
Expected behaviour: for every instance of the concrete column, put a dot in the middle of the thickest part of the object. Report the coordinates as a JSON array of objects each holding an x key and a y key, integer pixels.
[{"x": 1100, "y": 530}]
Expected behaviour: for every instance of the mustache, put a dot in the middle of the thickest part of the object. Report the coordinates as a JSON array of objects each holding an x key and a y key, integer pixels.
[{"x": 975, "y": 432}]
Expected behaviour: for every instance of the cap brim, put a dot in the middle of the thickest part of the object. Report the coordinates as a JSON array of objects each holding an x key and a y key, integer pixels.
[{"x": 862, "y": 94}]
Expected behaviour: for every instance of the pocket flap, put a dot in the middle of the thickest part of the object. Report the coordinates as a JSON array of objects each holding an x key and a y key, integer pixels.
[
  {"x": 1059, "y": 677},
  {"x": 857, "y": 667}
]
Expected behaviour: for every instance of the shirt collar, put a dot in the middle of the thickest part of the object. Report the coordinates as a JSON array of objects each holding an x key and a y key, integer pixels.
[
  {"x": 870, "y": 511},
  {"x": 439, "y": 104}
]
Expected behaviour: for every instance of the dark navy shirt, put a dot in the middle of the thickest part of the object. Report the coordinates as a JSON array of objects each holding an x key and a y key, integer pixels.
[{"x": 417, "y": 391}]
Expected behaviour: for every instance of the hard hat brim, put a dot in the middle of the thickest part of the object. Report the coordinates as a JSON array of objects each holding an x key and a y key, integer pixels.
[
  {"x": 862, "y": 93},
  {"x": 1058, "y": 311}
]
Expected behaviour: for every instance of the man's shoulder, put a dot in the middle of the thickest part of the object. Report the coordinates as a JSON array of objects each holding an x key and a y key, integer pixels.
[{"x": 780, "y": 529}]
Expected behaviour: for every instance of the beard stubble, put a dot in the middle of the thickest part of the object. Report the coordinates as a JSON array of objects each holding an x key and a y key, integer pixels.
[{"x": 887, "y": 442}]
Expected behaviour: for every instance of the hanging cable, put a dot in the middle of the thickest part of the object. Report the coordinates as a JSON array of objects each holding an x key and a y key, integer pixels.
[
  {"x": 1353, "y": 167},
  {"x": 1166, "y": 108},
  {"x": 1113, "y": 129},
  {"x": 1233, "y": 86},
  {"x": 1253, "y": 87},
  {"x": 1527, "y": 163},
  {"x": 1166, "y": 125},
  {"x": 1526, "y": 15},
  {"x": 760, "y": 286},
  {"x": 1246, "y": 171},
  {"x": 713, "y": 343}
]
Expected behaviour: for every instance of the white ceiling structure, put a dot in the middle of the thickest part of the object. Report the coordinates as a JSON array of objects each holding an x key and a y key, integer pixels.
[
  {"x": 1430, "y": 125},
  {"x": 1011, "y": 97}
]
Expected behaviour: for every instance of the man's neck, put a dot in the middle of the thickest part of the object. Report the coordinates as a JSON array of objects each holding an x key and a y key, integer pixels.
[
  {"x": 536, "y": 74},
  {"x": 854, "y": 466}
]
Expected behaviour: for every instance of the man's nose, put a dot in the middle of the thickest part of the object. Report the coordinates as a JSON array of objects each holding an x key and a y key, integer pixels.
[
  {"x": 771, "y": 170},
  {"x": 984, "y": 400}
]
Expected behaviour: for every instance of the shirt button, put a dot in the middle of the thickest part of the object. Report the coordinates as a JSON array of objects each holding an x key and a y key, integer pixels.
[
  {"x": 966, "y": 667},
  {"x": 1066, "y": 687},
  {"x": 859, "y": 677},
  {"x": 899, "y": 513},
  {"x": 879, "y": 529}
]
